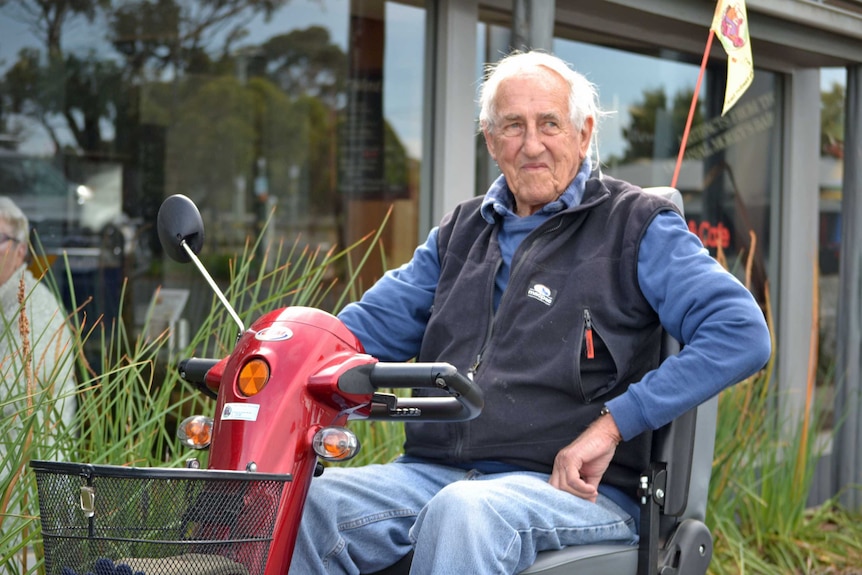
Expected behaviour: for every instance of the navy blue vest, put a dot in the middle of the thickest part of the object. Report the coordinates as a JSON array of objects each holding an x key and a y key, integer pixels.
[{"x": 573, "y": 279}]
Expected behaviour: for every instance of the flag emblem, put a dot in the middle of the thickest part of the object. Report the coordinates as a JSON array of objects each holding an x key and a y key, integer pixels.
[{"x": 730, "y": 24}]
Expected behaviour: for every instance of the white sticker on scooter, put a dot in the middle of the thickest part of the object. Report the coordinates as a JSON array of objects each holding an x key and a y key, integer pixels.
[
  {"x": 274, "y": 333},
  {"x": 240, "y": 411}
]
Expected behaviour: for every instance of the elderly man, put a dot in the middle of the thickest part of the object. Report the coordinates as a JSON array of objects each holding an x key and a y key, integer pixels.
[{"x": 551, "y": 291}]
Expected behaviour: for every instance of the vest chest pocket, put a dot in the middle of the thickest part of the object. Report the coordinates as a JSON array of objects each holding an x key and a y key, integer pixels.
[{"x": 595, "y": 368}]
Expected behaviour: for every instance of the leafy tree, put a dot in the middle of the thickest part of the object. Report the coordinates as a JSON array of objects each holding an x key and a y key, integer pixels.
[
  {"x": 832, "y": 121},
  {"x": 655, "y": 129},
  {"x": 156, "y": 39},
  {"x": 306, "y": 62}
]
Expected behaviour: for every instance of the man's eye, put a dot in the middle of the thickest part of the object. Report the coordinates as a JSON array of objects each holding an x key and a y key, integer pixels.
[
  {"x": 551, "y": 127},
  {"x": 513, "y": 129}
]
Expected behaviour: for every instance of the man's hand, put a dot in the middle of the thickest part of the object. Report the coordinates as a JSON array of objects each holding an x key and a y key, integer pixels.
[{"x": 579, "y": 466}]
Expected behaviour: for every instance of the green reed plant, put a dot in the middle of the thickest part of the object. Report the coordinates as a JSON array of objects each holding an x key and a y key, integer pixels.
[
  {"x": 762, "y": 474},
  {"x": 129, "y": 394}
]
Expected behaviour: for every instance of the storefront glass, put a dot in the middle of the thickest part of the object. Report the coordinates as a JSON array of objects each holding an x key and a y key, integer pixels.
[
  {"x": 307, "y": 110},
  {"x": 833, "y": 84},
  {"x": 730, "y": 168}
]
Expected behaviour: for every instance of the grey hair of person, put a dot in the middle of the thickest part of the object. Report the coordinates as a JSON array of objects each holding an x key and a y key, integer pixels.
[
  {"x": 18, "y": 223},
  {"x": 583, "y": 94}
]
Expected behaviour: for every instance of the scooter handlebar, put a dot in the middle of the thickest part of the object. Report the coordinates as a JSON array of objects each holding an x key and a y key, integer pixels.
[
  {"x": 464, "y": 399},
  {"x": 194, "y": 369}
]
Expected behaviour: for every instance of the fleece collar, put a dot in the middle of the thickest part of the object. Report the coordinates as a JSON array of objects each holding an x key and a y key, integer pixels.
[{"x": 499, "y": 200}]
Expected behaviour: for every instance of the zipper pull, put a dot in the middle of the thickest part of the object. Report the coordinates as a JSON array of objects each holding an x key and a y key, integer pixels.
[
  {"x": 588, "y": 334},
  {"x": 475, "y": 367}
]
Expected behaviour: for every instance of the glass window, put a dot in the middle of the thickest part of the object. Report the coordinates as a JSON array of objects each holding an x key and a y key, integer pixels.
[
  {"x": 833, "y": 84},
  {"x": 309, "y": 111},
  {"x": 730, "y": 167}
]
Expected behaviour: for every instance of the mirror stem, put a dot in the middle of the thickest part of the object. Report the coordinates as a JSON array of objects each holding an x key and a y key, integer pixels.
[{"x": 214, "y": 287}]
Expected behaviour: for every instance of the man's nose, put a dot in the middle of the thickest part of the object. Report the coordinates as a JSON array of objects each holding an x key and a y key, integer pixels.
[{"x": 533, "y": 144}]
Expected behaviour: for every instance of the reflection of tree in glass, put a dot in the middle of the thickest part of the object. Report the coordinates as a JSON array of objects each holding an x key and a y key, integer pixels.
[
  {"x": 187, "y": 105},
  {"x": 182, "y": 35},
  {"x": 832, "y": 121},
  {"x": 308, "y": 66},
  {"x": 83, "y": 92},
  {"x": 306, "y": 62},
  {"x": 154, "y": 38},
  {"x": 654, "y": 131}
]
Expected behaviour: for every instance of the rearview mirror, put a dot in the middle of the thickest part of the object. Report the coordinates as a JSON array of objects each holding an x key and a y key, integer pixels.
[{"x": 179, "y": 220}]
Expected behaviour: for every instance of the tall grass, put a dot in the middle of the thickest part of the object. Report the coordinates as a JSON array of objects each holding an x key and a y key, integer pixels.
[
  {"x": 130, "y": 395},
  {"x": 763, "y": 471},
  {"x": 758, "y": 507}
]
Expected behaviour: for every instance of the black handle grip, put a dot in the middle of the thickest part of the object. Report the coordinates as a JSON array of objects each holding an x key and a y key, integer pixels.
[
  {"x": 464, "y": 402},
  {"x": 194, "y": 369}
]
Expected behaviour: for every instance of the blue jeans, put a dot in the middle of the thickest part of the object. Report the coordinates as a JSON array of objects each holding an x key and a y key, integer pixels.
[{"x": 361, "y": 520}]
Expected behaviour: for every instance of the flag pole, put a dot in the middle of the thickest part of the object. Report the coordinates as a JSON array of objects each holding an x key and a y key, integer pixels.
[
  {"x": 695, "y": 97},
  {"x": 692, "y": 108}
]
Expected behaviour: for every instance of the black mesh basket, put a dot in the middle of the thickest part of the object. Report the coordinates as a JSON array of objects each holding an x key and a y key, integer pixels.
[{"x": 105, "y": 519}]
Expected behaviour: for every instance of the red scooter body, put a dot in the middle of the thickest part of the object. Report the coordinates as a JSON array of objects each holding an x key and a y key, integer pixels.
[
  {"x": 306, "y": 350},
  {"x": 318, "y": 377}
]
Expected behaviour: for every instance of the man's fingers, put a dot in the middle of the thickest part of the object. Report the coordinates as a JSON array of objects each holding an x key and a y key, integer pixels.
[
  {"x": 570, "y": 481},
  {"x": 582, "y": 489}
]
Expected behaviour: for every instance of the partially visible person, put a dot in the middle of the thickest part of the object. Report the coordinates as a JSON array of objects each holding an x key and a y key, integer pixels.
[
  {"x": 37, "y": 382},
  {"x": 48, "y": 342}
]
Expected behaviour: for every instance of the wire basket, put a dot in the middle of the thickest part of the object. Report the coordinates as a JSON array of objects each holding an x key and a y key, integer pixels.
[{"x": 153, "y": 521}]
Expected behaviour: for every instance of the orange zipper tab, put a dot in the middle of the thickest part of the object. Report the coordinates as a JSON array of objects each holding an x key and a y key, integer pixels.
[{"x": 588, "y": 335}]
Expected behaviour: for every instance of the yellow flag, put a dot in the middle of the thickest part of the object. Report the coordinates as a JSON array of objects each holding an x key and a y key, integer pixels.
[{"x": 730, "y": 25}]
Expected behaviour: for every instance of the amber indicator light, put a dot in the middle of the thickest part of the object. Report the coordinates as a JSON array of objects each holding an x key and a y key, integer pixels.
[{"x": 253, "y": 377}]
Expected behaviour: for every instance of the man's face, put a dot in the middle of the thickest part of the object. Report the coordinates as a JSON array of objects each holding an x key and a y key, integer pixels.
[{"x": 533, "y": 140}]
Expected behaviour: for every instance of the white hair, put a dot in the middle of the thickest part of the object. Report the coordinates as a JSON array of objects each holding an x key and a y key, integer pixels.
[
  {"x": 583, "y": 94},
  {"x": 18, "y": 222}
]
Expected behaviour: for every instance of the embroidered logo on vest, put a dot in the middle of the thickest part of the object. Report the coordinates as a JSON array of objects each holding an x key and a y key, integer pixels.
[{"x": 542, "y": 293}]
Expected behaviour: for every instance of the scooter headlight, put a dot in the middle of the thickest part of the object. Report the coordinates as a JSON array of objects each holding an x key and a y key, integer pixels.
[
  {"x": 253, "y": 376},
  {"x": 196, "y": 431},
  {"x": 335, "y": 444}
]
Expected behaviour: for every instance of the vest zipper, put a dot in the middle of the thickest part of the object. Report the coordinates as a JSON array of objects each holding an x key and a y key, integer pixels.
[
  {"x": 588, "y": 335},
  {"x": 471, "y": 372},
  {"x": 474, "y": 367}
]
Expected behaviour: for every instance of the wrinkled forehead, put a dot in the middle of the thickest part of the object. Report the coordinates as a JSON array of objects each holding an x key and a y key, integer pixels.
[{"x": 534, "y": 93}]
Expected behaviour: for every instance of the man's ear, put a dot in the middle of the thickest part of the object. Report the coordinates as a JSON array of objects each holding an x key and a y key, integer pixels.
[
  {"x": 586, "y": 135},
  {"x": 489, "y": 143}
]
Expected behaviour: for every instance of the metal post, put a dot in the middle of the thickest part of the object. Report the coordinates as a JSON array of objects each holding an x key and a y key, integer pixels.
[
  {"x": 533, "y": 24},
  {"x": 848, "y": 399}
]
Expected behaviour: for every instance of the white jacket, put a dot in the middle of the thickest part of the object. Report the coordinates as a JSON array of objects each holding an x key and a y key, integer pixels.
[{"x": 52, "y": 382}]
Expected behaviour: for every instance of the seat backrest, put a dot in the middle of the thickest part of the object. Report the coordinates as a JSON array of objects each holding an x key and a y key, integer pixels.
[{"x": 685, "y": 445}]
